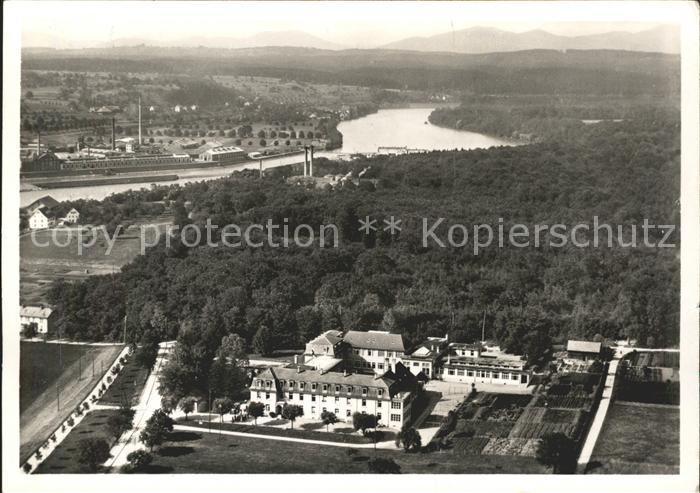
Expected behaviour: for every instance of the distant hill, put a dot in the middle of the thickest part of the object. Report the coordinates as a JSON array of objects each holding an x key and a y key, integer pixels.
[
  {"x": 38, "y": 41},
  {"x": 523, "y": 72},
  {"x": 665, "y": 39}
]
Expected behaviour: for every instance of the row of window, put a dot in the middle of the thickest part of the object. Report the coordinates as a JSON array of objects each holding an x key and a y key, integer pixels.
[
  {"x": 483, "y": 374},
  {"x": 313, "y": 386},
  {"x": 396, "y": 418},
  {"x": 366, "y": 364},
  {"x": 378, "y": 353}
]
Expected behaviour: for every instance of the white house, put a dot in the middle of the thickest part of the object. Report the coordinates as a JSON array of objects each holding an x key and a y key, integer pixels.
[
  {"x": 39, "y": 315},
  {"x": 376, "y": 350},
  {"x": 426, "y": 356},
  {"x": 72, "y": 216},
  {"x": 474, "y": 363},
  {"x": 42, "y": 218},
  {"x": 390, "y": 397}
]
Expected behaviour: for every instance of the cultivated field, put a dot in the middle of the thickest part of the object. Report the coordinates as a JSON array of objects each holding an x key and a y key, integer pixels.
[
  {"x": 48, "y": 371},
  {"x": 638, "y": 439},
  {"x": 62, "y": 258}
]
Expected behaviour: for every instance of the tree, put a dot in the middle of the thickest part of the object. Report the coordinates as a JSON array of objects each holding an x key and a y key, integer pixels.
[
  {"x": 233, "y": 349},
  {"x": 147, "y": 353},
  {"x": 139, "y": 460},
  {"x": 409, "y": 438},
  {"x": 263, "y": 341},
  {"x": 557, "y": 451},
  {"x": 157, "y": 428},
  {"x": 93, "y": 452},
  {"x": 29, "y": 330},
  {"x": 222, "y": 405},
  {"x": 363, "y": 422},
  {"x": 292, "y": 412},
  {"x": 380, "y": 465},
  {"x": 256, "y": 410},
  {"x": 328, "y": 418},
  {"x": 120, "y": 422},
  {"x": 187, "y": 404}
]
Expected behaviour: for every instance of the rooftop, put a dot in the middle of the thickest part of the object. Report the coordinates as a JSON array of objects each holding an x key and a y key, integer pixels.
[
  {"x": 375, "y": 339},
  {"x": 35, "y": 311},
  {"x": 302, "y": 373},
  {"x": 331, "y": 337},
  {"x": 584, "y": 346},
  {"x": 223, "y": 149}
]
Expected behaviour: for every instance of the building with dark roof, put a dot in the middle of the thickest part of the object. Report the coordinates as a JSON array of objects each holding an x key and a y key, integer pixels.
[
  {"x": 374, "y": 350},
  {"x": 583, "y": 350},
  {"x": 389, "y": 396}
]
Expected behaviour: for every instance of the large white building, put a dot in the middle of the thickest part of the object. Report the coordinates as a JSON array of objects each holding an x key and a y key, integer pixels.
[
  {"x": 426, "y": 357},
  {"x": 374, "y": 350},
  {"x": 476, "y": 363},
  {"x": 42, "y": 218},
  {"x": 389, "y": 397},
  {"x": 223, "y": 154},
  {"x": 39, "y": 315}
]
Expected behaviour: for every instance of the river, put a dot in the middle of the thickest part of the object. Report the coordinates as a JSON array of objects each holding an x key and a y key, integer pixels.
[{"x": 404, "y": 127}]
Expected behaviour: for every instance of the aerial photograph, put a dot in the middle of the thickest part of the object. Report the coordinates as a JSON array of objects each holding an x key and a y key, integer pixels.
[{"x": 318, "y": 238}]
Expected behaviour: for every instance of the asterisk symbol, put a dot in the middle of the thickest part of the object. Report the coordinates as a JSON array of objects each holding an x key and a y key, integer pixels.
[
  {"x": 392, "y": 225},
  {"x": 367, "y": 225}
]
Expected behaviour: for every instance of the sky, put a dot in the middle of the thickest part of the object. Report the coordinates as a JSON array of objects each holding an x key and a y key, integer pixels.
[{"x": 350, "y": 24}]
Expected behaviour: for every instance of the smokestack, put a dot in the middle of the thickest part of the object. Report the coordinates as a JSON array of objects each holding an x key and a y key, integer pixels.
[
  {"x": 140, "y": 120},
  {"x": 306, "y": 158},
  {"x": 38, "y": 142},
  {"x": 311, "y": 162},
  {"x": 114, "y": 133},
  {"x": 261, "y": 169}
]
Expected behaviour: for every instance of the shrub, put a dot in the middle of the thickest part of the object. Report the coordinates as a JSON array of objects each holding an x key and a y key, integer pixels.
[
  {"x": 63, "y": 427},
  {"x": 138, "y": 460},
  {"x": 38, "y": 455},
  {"x": 273, "y": 414},
  {"x": 115, "y": 369},
  {"x": 109, "y": 379},
  {"x": 122, "y": 360},
  {"x": 103, "y": 387},
  {"x": 86, "y": 406},
  {"x": 70, "y": 421},
  {"x": 53, "y": 437},
  {"x": 27, "y": 468}
]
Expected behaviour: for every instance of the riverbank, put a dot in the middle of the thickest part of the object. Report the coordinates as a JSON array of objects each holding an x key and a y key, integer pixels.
[{"x": 105, "y": 181}]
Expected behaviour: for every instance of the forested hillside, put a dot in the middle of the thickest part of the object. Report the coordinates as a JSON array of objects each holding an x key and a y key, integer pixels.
[
  {"x": 621, "y": 172},
  {"x": 523, "y": 72}
]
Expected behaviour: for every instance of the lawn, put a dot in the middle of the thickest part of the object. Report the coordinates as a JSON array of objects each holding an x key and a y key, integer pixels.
[
  {"x": 63, "y": 460},
  {"x": 638, "y": 439},
  {"x": 209, "y": 453},
  {"x": 304, "y": 432},
  {"x": 127, "y": 386},
  {"x": 47, "y": 369}
]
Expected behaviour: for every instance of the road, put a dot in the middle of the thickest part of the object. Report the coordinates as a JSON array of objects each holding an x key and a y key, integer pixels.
[
  {"x": 605, "y": 401},
  {"x": 599, "y": 419},
  {"x": 149, "y": 401}
]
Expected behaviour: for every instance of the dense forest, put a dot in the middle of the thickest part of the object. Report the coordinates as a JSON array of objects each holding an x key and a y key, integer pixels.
[
  {"x": 274, "y": 298},
  {"x": 545, "y": 118}
]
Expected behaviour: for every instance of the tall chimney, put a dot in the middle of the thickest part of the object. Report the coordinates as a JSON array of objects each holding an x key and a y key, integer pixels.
[
  {"x": 306, "y": 158},
  {"x": 38, "y": 142},
  {"x": 140, "y": 141},
  {"x": 114, "y": 133},
  {"x": 311, "y": 162},
  {"x": 261, "y": 169}
]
